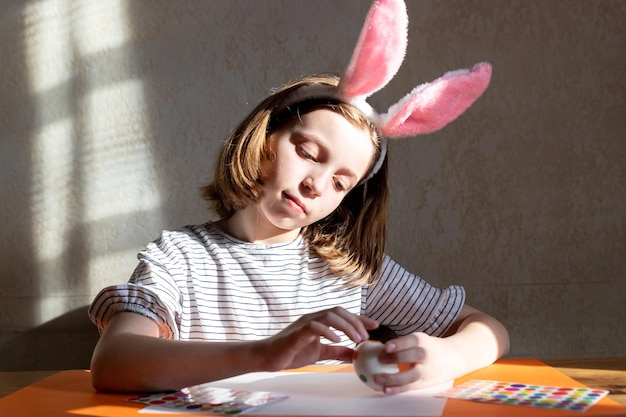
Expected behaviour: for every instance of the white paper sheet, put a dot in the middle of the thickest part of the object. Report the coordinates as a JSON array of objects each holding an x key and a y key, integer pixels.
[{"x": 331, "y": 394}]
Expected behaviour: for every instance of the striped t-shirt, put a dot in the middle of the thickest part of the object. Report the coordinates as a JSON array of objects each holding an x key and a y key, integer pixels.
[{"x": 199, "y": 283}]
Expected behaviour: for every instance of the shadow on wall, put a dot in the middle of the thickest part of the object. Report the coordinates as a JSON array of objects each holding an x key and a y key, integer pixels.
[
  {"x": 66, "y": 342},
  {"x": 76, "y": 169}
]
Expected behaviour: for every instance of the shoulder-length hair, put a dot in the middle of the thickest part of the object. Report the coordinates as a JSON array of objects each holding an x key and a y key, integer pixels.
[{"x": 352, "y": 238}]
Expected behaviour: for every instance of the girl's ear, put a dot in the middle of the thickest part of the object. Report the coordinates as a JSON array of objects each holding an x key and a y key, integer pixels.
[{"x": 431, "y": 106}]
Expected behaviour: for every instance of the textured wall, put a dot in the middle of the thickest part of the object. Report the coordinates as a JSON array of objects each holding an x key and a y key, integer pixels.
[{"x": 111, "y": 114}]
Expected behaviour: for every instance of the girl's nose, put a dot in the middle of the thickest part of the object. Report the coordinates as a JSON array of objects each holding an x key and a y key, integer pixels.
[
  {"x": 309, "y": 188},
  {"x": 314, "y": 185}
]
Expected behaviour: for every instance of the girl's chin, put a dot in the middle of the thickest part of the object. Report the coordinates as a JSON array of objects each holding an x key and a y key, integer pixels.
[{"x": 286, "y": 227}]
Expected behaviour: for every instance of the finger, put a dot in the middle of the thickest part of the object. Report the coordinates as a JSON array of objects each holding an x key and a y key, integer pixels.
[
  {"x": 352, "y": 325},
  {"x": 395, "y": 390},
  {"x": 321, "y": 329},
  {"x": 412, "y": 355},
  {"x": 401, "y": 343},
  {"x": 339, "y": 353},
  {"x": 408, "y": 342},
  {"x": 369, "y": 324},
  {"x": 398, "y": 380},
  {"x": 363, "y": 325}
]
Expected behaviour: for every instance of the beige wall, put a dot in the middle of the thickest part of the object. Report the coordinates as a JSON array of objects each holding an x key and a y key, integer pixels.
[{"x": 111, "y": 113}]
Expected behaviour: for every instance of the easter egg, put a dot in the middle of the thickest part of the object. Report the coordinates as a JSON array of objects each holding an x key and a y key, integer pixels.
[{"x": 367, "y": 363}]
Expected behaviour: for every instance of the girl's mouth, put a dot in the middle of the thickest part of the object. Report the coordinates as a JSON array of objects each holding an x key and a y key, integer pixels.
[{"x": 294, "y": 203}]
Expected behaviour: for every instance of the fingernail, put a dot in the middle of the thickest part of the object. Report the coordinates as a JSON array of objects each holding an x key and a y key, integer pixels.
[
  {"x": 380, "y": 380},
  {"x": 391, "y": 347}
]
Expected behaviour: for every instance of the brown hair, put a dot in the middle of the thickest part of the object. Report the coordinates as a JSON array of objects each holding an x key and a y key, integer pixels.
[{"x": 352, "y": 238}]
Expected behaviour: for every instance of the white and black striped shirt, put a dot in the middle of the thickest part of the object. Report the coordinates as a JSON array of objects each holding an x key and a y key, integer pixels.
[{"x": 200, "y": 283}]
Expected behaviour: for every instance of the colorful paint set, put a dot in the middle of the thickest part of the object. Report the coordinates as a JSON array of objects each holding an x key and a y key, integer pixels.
[
  {"x": 526, "y": 395},
  {"x": 203, "y": 399}
]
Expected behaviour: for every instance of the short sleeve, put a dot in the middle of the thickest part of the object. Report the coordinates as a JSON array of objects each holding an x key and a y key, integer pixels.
[
  {"x": 152, "y": 290},
  {"x": 406, "y": 303},
  {"x": 136, "y": 299}
]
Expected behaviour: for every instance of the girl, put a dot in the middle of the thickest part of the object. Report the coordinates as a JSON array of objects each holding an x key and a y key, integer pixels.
[
  {"x": 296, "y": 261},
  {"x": 294, "y": 272}
]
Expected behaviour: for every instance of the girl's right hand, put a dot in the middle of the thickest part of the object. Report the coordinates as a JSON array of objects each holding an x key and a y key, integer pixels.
[{"x": 299, "y": 344}]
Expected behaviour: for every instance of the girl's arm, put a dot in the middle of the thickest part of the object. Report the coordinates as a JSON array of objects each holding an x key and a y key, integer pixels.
[
  {"x": 475, "y": 340},
  {"x": 131, "y": 357}
]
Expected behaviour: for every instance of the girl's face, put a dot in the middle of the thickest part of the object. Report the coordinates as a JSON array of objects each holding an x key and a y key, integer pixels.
[{"x": 318, "y": 160}]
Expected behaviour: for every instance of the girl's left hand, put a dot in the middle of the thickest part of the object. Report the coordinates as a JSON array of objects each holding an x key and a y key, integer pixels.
[{"x": 423, "y": 361}]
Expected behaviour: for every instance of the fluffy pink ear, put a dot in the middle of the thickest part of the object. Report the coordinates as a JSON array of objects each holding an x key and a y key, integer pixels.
[
  {"x": 429, "y": 107},
  {"x": 379, "y": 51}
]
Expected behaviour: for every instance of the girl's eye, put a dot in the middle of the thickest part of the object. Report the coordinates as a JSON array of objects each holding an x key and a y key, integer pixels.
[
  {"x": 305, "y": 154},
  {"x": 340, "y": 186}
]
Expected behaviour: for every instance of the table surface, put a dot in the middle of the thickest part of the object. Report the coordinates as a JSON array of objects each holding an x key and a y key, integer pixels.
[{"x": 604, "y": 373}]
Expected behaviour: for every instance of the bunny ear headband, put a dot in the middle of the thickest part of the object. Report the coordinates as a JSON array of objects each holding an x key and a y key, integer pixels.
[{"x": 378, "y": 54}]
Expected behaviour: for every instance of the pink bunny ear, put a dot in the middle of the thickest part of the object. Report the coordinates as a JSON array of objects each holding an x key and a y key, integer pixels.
[
  {"x": 430, "y": 107},
  {"x": 379, "y": 51}
]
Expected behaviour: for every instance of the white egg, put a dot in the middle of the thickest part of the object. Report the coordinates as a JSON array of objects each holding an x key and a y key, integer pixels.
[{"x": 367, "y": 363}]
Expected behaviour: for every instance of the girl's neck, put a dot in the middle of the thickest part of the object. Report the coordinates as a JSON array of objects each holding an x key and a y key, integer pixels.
[{"x": 246, "y": 226}]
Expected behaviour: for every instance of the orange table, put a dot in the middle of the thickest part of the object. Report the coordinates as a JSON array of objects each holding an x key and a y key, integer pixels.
[{"x": 69, "y": 393}]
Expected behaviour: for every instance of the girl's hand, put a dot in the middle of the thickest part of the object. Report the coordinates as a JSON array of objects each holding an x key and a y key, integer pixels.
[
  {"x": 299, "y": 344},
  {"x": 423, "y": 361},
  {"x": 474, "y": 340}
]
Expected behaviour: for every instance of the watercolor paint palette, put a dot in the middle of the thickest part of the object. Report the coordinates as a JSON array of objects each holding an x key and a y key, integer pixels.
[
  {"x": 526, "y": 395},
  {"x": 204, "y": 399}
]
